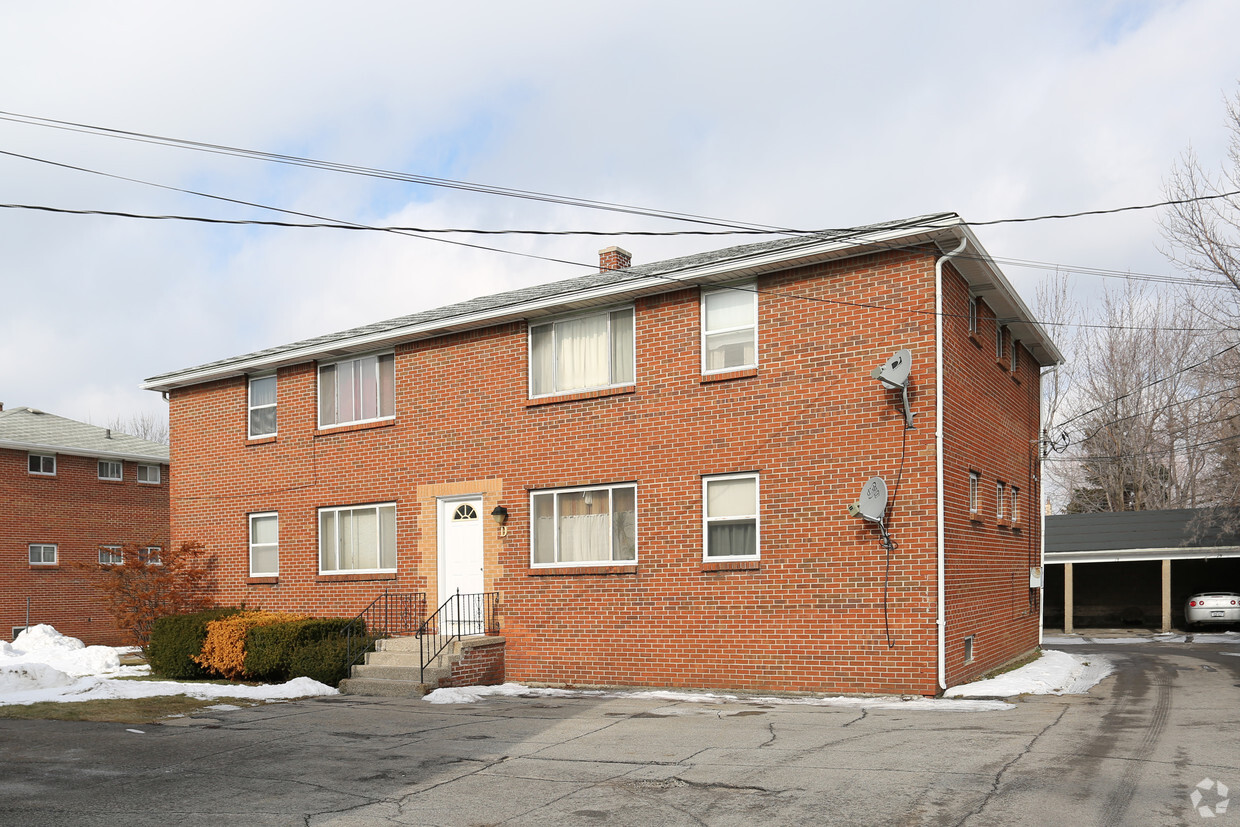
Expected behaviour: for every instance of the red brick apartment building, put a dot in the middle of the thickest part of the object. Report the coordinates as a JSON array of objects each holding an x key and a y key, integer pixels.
[
  {"x": 676, "y": 446},
  {"x": 72, "y": 493}
]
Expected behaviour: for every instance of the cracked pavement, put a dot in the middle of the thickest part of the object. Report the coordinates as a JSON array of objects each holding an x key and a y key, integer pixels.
[{"x": 1130, "y": 752}]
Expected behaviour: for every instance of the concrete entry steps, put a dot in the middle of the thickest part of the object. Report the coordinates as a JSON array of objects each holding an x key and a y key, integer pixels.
[{"x": 393, "y": 670}]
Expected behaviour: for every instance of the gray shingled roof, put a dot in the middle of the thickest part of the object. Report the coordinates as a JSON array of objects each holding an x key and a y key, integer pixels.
[
  {"x": 1133, "y": 535},
  {"x": 29, "y": 429},
  {"x": 561, "y": 294}
]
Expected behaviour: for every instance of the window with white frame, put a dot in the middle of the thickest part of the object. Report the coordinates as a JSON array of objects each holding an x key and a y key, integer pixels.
[
  {"x": 730, "y": 524},
  {"x": 357, "y": 539},
  {"x": 357, "y": 390},
  {"x": 973, "y": 302},
  {"x": 1000, "y": 498},
  {"x": 111, "y": 556},
  {"x": 148, "y": 474},
  {"x": 583, "y": 526},
  {"x": 42, "y": 554},
  {"x": 582, "y": 353},
  {"x": 264, "y": 544},
  {"x": 975, "y": 480},
  {"x": 1000, "y": 341},
  {"x": 729, "y": 328},
  {"x": 42, "y": 464},
  {"x": 1015, "y": 354},
  {"x": 151, "y": 555},
  {"x": 262, "y": 406},
  {"x": 110, "y": 469},
  {"x": 1014, "y": 510}
]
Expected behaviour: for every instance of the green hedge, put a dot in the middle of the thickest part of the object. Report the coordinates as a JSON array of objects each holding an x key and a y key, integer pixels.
[
  {"x": 177, "y": 639},
  {"x": 272, "y": 653},
  {"x": 323, "y": 660}
]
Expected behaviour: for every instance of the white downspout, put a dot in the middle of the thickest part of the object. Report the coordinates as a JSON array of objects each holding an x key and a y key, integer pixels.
[{"x": 941, "y": 619}]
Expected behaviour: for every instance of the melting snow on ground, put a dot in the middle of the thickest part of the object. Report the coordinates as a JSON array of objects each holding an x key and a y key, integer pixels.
[
  {"x": 1055, "y": 673},
  {"x": 44, "y": 665}
]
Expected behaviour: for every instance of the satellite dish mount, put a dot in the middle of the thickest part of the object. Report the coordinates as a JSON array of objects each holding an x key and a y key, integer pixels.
[
  {"x": 894, "y": 375},
  {"x": 872, "y": 507}
]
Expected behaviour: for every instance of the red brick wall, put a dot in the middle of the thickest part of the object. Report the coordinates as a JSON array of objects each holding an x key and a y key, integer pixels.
[
  {"x": 808, "y": 616},
  {"x": 478, "y": 666},
  {"x": 78, "y": 512}
]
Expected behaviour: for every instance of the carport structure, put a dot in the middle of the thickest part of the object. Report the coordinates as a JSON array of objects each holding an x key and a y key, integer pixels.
[{"x": 1130, "y": 567}]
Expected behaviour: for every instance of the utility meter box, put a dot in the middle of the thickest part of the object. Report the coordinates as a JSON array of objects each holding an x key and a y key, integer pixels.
[{"x": 1035, "y": 577}]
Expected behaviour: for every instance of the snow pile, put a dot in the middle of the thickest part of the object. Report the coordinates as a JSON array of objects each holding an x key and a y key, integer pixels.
[
  {"x": 44, "y": 665},
  {"x": 1055, "y": 673},
  {"x": 473, "y": 694}
]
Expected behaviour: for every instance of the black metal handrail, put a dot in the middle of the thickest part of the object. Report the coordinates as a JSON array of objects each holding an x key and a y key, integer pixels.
[
  {"x": 389, "y": 614},
  {"x": 461, "y": 615}
]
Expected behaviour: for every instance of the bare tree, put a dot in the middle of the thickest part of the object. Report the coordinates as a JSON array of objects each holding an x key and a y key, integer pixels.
[{"x": 142, "y": 425}]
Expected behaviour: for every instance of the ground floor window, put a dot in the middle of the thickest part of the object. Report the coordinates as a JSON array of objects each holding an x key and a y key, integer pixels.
[
  {"x": 730, "y": 516},
  {"x": 264, "y": 544},
  {"x": 358, "y": 538},
  {"x": 585, "y": 525}
]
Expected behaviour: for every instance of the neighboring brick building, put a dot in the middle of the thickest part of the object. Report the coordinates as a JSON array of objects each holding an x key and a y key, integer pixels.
[
  {"x": 676, "y": 445},
  {"x": 72, "y": 493}
]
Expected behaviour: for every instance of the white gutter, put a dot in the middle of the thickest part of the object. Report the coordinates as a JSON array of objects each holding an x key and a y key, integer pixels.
[{"x": 941, "y": 619}]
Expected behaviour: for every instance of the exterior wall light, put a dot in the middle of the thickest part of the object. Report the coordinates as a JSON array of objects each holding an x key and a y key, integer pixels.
[{"x": 500, "y": 515}]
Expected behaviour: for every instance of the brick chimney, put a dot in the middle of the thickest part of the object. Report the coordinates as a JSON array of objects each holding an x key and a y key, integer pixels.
[{"x": 614, "y": 258}]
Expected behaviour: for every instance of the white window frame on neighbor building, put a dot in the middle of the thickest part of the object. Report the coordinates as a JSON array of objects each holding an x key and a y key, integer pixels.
[
  {"x": 716, "y": 512},
  {"x": 370, "y": 395},
  {"x": 1014, "y": 511},
  {"x": 735, "y": 330},
  {"x": 44, "y": 552},
  {"x": 111, "y": 556},
  {"x": 43, "y": 465},
  {"x": 975, "y": 480},
  {"x": 148, "y": 474},
  {"x": 378, "y": 550},
  {"x": 973, "y": 301},
  {"x": 1015, "y": 354},
  {"x": 151, "y": 555},
  {"x": 609, "y": 361},
  {"x": 1000, "y": 498},
  {"x": 264, "y": 545},
  {"x": 111, "y": 469},
  {"x": 261, "y": 399},
  {"x": 1000, "y": 340},
  {"x": 567, "y": 530}
]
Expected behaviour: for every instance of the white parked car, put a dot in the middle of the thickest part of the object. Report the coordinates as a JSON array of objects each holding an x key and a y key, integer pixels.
[{"x": 1212, "y": 607}]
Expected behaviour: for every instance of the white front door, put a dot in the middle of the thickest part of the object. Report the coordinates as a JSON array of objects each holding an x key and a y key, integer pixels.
[{"x": 460, "y": 546}]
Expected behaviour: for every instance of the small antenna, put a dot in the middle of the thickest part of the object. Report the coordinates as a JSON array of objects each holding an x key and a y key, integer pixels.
[
  {"x": 872, "y": 507},
  {"x": 894, "y": 375}
]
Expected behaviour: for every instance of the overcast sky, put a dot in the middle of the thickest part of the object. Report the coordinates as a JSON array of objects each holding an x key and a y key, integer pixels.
[{"x": 783, "y": 113}]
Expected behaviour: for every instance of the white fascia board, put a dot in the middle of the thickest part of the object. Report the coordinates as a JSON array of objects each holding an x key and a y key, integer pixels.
[
  {"x": 39, "y": 448},
  {"x": 689, "y": 277},
  {"x": 1140, "y": 554}
]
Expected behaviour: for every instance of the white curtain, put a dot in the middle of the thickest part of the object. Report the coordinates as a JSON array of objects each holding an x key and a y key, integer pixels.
[
  {"x": 581, "y": 353},
  {"x": 585, "y": 537}
]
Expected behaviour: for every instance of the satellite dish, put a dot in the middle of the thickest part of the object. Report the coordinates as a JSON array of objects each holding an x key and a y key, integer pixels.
[
  {"x": 894, "y": 372},
  {"x": 873, "y": 503}
]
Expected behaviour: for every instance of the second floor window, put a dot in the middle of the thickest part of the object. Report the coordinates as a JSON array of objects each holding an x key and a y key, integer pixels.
[
  {"x": 111, "y": 556},
  {"x": 974, "y": 480},
  {"x": 148, "y": 474},
  {"x": 973, "y": 315},
  {"x": 357, "y": 390},
  {"x": 262, "y": 406},
  {"x": 1014, "y": 511},
  {"x": 42, "y": 554},
  {"x": 110, "y": 469},
  {"x": 1000, "y": 496},
  {"x": 729, "y": 328},
  {"x": 43, "y": 464},
  {"x": 582, "y": 353}
]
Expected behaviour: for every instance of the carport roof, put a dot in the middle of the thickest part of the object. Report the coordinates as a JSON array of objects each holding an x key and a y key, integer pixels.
[{"x": 1118, "y": 536}]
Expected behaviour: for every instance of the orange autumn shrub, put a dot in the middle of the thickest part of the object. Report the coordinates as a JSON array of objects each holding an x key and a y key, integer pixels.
[{"x": 223, "y": 651}]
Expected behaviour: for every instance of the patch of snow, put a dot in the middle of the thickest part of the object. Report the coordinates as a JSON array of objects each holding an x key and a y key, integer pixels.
[
  {"x": 1054, "y": 673},
  {"x": 473, "y": 694},
  {"x": 44, "y": 665}
]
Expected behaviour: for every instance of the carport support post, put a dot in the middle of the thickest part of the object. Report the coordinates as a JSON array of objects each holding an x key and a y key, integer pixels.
[
  {"x": 1166, "y": 595},
  {"x": 1067, "y": 598}
]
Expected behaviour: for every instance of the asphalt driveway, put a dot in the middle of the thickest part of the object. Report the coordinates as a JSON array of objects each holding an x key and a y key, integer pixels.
[{"x": 1133, "y": 751}]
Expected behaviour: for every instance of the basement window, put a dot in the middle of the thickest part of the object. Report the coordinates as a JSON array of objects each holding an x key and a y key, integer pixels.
[{"x": 968, "y": 649}]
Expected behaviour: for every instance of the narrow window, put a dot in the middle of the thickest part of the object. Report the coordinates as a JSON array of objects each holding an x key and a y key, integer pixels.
[
  {"x": 974, "y": 481},
  {"x": 357, "y": 390},
  {"x": 264, "y": 544},
  {"x": 730, "y": 524},
  {"x": 973, "y": 315},
  {"x": 262, "y": 406},
  {"x": 583, "y": 526},
  {"x": 1000, "y": 498},
  {"x": 968, "y": 649},
  {"x": 42, "y": 554},
  {"x": 1014, "y": 511},
  {"x": 1000, "y": 341},
  {"x": 1015, "y": 353},
  {"x": 148, "y": 474},
  {"x": 729, "y": 328},
  {"x": 110, "y": 469},
  {"x": 42, "y": 464},
  {"x": 357, "y": 538},
  {"x": 111, "y": 556},
  {"x": 582, "y": 353}
]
